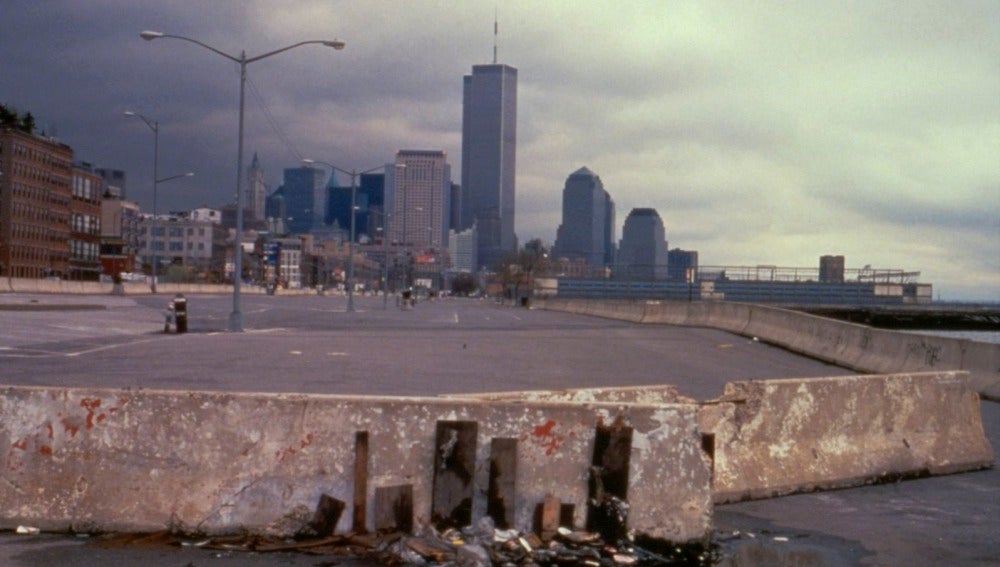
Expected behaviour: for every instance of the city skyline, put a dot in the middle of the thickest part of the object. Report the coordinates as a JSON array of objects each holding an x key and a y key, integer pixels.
[{"x": 770, "y": 134}]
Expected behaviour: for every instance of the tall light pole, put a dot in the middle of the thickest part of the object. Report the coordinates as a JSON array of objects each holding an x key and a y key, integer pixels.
[
  {"x": 155, "y": 127},
  {"x": 236, "y": 317},
  {"x": 354, "y": 212},
  {"x": 385, "y": 252}
]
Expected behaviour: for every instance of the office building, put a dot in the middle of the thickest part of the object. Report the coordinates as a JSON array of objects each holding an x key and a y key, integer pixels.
[
  {"x": 682, "y": 265},
  {"x": 421, "y": 200},
  {"x": 369, "y": 202},
  {"x": 35, "y": 196},
  {"x": 642, "y": 253},
  {"x": 195, "y": 240},
  {"x": 489, "y": 136},
  {"x": 298, "y": 205},
  {"x": 462, "y": 248},
  {"x": 120, "y": 221},
  {"x": 85, "y": 225},
  {"x": 586, "y": 232}
]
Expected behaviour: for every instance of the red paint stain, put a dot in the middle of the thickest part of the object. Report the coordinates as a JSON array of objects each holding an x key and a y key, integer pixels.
[
  {"x": 48, "y": 425},
  {"x": 22, "y": 444},
  {"x": 545, "y": 436},
  {"x": 545, "y": 429},
  {"x": 90, "y": 404},
  {"x": 307, "y": 441},
  {"x": 71, "y": 429},
  {"x": 101, "y": 418},
  {"x": 45, "y": 450}
]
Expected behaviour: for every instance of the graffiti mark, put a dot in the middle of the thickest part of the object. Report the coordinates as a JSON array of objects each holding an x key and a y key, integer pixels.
[{"x": 545, "y": 436}]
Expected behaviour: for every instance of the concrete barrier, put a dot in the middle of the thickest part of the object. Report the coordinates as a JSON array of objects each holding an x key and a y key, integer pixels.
[
  {"x": 776, "y": 437},
  {"x": 213, "y": 462},
  {"x": 642, "y": 395},
  {"x": 850, "y": 345}
]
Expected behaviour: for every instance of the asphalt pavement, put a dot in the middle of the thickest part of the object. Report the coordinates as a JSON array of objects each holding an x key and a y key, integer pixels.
[{"x": 313, "y": 344}]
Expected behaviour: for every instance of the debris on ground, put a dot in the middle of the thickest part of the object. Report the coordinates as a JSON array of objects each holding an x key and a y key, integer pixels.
[
  {"x": 478, "y": 545},
  {"x": 27, "y": 530}
]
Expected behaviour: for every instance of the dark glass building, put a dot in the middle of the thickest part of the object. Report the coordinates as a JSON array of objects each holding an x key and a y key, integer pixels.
[
  {"x": 489, "y": 136},
  {"x": 642, "y": 253},
  {"x": 369, "y": 200},
  {"x": 586, "y": 232}
]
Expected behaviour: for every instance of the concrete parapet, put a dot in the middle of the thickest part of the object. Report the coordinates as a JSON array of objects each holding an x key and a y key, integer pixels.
[
  {"x": 37, "y": 285},
  {"x": 850, "y": 345},
  {"x": 776, "y": 437},
  {"x": 213, "y": 462},
  {"x": 643, "y": 395}
]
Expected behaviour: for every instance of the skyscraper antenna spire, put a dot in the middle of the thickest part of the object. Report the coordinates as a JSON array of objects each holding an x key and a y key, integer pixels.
[{"x": 496, "y": 28}]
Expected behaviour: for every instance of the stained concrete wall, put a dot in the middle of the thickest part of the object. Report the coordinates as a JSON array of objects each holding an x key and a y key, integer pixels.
[
  {"x": 850, "y": 345},
  {"x": 643, "y": 395},
  {"x": 775, "y": 437},
  {"x": 212, "y": 462}
]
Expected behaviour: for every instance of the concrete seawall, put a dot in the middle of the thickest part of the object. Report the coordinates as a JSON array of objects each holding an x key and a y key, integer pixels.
[
  {"x": 776, "y": 437},
  {"x": 140, "y": 460},
  {"x": 850, "y": 345}
]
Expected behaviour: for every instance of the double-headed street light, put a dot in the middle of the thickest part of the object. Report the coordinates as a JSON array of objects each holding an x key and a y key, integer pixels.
[
  {"x": 155, "y": 127},
  {"x": 236, "y": 317},
  {"x": 354, "y": 211}
]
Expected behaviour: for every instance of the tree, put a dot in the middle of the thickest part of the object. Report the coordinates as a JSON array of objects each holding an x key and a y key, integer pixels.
[
  {"x": 463, "y": 284},
  {"x": 10, "y": 117},
  {"x": 27, "y": 123},
  {"x": 517, "y": 271}
]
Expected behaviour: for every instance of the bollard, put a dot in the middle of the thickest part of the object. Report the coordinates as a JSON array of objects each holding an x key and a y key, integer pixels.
[{"x": 180, "y": 313}]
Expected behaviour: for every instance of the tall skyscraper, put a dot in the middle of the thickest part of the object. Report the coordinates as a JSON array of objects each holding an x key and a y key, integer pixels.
[
  {"x": 586, "y": 231},
  {"x": 255, "y": 190},
  {"x": 303, "y": 199},
  {"x": 643, "y": 250},
  {"x": 369, "y": 199},
  {"x": 421, "y": 199},
  {"x": 489, "y": 136}
]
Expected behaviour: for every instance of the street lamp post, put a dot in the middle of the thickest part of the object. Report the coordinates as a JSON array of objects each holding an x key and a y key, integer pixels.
[
  {"x": 354, "y": 211},
  {"x": 155, "y": 127},
  {"x": 385, "y": 258},
  {"x": 236, "y": 317}
]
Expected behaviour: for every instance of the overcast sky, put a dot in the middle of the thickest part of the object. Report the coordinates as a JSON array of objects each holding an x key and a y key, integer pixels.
[{"x": 763, "y": 133}]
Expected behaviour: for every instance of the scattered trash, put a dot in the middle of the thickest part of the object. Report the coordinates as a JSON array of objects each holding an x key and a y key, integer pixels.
[
  {"x": 479, "y": 545},
  {"x": 28, "y": 530}
]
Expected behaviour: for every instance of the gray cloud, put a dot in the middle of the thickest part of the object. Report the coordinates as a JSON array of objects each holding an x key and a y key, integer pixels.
[{"x": 763, "y": 133}]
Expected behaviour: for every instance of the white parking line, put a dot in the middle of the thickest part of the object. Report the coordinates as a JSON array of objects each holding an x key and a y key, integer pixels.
[{"x": 107, "y": 347}]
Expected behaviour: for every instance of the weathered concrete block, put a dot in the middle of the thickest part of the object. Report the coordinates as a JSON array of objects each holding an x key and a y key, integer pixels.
[
  {"x": 217, "y": 462},
  {"x": 775, "y": 437},
  {"x": 642, "y": 395}
]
